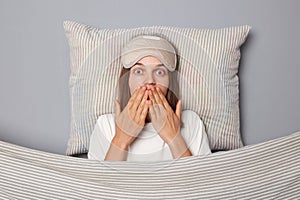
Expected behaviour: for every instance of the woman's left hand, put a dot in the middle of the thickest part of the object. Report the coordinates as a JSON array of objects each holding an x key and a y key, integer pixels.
[{"x": 163, "y": 118}]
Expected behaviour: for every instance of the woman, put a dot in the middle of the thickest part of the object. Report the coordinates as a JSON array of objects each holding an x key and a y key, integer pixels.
[{"x": 148, "y": 124}]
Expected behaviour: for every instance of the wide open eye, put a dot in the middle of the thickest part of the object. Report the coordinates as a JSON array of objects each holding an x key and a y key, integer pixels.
[
  {"x": 138, "y": 71},
  {"x": 160, "y": 72}
]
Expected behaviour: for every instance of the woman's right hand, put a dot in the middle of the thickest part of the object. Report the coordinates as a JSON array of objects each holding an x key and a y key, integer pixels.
[{"x": 131, "y": 120}]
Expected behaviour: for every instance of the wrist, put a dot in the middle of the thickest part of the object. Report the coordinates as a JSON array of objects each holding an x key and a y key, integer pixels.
[
  {"x": 172, "y": 139},
  {"x": 179, "y": 147},
  {"x": 116, "y": 151},
  {"x": 119, "y": 143},
  {"x": 177, "y": 140}
]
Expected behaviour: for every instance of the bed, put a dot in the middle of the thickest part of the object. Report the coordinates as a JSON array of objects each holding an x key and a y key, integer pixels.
[
  {"x": 210, "y": 60},
  {"x": 269, "y": 170}
]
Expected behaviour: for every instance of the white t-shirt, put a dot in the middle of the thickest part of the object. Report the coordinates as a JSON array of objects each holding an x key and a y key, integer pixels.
[{"x": 149, "y": 146}]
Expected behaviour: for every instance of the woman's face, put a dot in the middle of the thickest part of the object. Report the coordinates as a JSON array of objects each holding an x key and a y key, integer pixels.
[{"x": 150, "y": 72}]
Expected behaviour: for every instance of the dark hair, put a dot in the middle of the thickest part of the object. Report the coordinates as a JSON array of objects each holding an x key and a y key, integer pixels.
[{"x": 124, "y": 92}]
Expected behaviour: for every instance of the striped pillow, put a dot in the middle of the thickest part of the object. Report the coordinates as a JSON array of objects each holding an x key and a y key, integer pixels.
[{"x": 207, "y": 75}]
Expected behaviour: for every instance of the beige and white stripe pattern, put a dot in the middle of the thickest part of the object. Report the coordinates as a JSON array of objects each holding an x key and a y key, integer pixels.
[
  {"x": 269, "y": 170},
  {"x": 208, "y": 67}
]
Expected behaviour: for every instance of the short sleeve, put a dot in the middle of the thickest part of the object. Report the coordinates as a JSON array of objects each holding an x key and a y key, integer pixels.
[
  {"x": 194, "y": 133},
  {"x": 101, "y": 137}
]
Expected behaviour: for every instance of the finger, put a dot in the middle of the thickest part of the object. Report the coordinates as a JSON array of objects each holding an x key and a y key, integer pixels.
[
  {"x": 163, "y": 99},
  {"x": 117, "y": 107},
  {"x": 151, "y": 97},
  {"x": 144, "y": 114},
  {"x": 156, "y": 96},
  {"x": 139, "y": 114},
  {"x": 163, "y": 105},
  {"x": 152, "y": 112},
  {"x": 178, "y": 109},
  {"x": 138, "y": 99},
  {"x": 134, "y": 95},
  {"x": 153, "y": 107}
]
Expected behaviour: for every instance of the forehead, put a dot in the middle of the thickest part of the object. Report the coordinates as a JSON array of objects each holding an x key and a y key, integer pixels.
[{"x": 149, "y": 60}]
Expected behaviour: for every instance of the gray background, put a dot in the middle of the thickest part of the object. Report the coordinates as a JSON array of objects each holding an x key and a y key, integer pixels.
[{"x": 34, "y": 60}]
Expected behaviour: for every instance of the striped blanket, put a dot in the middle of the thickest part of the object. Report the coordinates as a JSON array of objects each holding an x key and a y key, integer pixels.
[{"x": 269, "y": 170}]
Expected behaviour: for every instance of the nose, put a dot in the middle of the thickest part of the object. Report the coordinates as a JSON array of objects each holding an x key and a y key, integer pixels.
[{"x": 149, "y": 79}]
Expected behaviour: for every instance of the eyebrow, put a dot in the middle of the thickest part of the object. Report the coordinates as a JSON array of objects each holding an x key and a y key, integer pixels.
[{"x": 158, "y": 65}]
